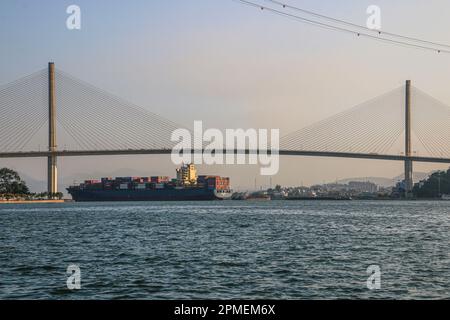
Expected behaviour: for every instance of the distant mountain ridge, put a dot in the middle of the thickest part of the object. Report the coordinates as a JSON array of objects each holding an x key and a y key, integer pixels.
[
  {"x": 386, "y": 182},
  {"x": 37, "y": 185}
]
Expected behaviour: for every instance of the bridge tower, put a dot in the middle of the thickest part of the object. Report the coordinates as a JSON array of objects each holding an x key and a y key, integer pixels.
[
  {"x": 408, "y": 150},
  {"x": 52, "y": 177}
]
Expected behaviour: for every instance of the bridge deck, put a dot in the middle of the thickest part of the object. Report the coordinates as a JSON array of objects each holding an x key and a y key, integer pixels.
[{"x": 79, "y": 153}]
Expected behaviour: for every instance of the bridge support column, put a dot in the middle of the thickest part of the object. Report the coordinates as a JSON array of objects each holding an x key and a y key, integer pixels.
[
  {"x": 52, "y": 177},
  {"x": 408, "y": 150}
]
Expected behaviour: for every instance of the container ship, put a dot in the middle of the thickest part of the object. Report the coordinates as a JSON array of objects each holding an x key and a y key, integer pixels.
[{"x": 187, "y": 186}]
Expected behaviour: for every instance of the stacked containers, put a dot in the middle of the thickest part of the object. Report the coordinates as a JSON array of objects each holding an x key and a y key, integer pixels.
[
  {"x": 159, "y": 179},
  {"x": 92, "y": 184},
  {"x": 123, "y": 183},
  {"x": 218, "y": 183},
  {"x": 107, "y": 183},
  {"x": 140, "y": 186}
]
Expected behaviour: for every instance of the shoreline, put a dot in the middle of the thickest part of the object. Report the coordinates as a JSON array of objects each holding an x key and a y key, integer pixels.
[
  {"x": 32, "y": 201},
  {"x": 242, "y": 200}
]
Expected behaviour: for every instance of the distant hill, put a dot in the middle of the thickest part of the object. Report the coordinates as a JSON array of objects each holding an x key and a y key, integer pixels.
[
  {"x": 386, "y": 182},
  {"x": 382, "y": 182},
  {"x": 417, "y": 176},
  {"x": 33, "y": 184},
  {"x": 36, "y": 185}
]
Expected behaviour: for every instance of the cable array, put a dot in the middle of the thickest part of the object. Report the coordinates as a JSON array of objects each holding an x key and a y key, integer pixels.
[
  {"x": 90, "y": 119},
  {"x": 431, "y": 123},
  {"x": 370, "y": 127},
  {"x": 23, "y": 112},
  {"x": 97, "y": 120}
]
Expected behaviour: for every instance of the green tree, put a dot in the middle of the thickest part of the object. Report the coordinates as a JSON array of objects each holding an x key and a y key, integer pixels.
[
  {"x": 10, "y": 182},
  {"x": 436, "y": 185}
]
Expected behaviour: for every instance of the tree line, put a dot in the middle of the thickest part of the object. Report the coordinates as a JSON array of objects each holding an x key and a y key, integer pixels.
[
  {"x": 435, "y": 186},
  {"x": 13, "y": 187}
]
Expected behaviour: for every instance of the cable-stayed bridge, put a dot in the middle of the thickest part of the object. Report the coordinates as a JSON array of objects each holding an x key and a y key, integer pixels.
[{"x": 52, "y": 114}]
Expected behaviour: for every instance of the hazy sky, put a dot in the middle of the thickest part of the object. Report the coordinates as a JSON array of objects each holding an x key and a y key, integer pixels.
[{"x": 228, "y": 65}]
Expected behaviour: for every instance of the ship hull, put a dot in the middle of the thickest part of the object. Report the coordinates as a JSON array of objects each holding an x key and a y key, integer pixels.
[{"x": 194, "y": 194}]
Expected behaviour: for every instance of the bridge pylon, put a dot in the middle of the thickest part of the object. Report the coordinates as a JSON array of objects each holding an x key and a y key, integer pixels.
[
  {"x": 408, "y": 149},
  {"x": 52, "y": 173}
]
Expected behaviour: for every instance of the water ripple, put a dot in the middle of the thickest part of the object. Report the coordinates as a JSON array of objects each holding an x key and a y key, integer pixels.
[{"x": 192, "y": 250}]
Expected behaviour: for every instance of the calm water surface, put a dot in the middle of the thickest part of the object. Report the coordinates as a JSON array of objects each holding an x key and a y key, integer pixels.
[{"x": 232, "y": 249}]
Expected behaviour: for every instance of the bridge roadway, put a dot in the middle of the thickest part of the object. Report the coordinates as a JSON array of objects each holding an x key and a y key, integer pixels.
[{"x": 79, "y": 153}]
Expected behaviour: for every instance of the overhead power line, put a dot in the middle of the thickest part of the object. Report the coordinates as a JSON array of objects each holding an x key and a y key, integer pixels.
[
  {"x": 350, "y": 24},
  {"x": 348, "y": 27}
]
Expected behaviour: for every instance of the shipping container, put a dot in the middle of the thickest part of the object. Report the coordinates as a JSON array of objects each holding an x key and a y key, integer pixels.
[
  {"x": 159, "y": 179},
  {"x": 92, "y": 181}
]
